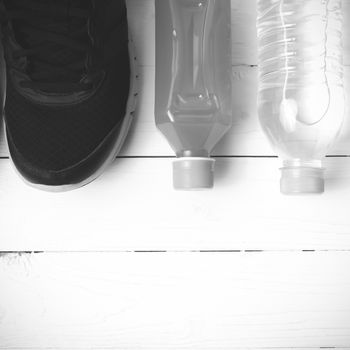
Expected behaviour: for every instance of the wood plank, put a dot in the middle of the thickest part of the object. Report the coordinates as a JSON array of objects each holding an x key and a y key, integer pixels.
[
  {"x": 346, "y": 11},
  {"x": 175, "y": 301},
  {"x": 133, "y": 207},
  {"x": 244, "y": 33},
  {"x": 245, "y": 137},
  {"x": 141, "y": 18}
]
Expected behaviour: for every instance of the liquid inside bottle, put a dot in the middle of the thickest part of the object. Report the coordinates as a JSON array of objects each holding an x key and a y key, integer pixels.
[
  {"x": 301, "y": 94},
  {"x": 193, "y": 83}
]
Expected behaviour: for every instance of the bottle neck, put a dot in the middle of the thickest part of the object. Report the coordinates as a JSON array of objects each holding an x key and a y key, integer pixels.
[
  {"x": 302, "y": 177},
  {"x": 299, "y": 163},
  {"x": 193, "y": 153}
]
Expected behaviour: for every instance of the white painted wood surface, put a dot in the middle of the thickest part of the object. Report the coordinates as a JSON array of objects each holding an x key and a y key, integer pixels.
[
  {"x": 93, "y": 289},
  {"x": 175, "y": 301},
  {"x": 133, "y": 207}
]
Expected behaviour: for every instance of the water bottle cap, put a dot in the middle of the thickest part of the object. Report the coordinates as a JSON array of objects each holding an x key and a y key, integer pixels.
[
  {"x": 191, "y": 173},
  {"x": 302, "y": 180}
]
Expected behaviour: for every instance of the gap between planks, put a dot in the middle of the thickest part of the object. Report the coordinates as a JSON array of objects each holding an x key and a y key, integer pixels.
[
  {"x": 169, "y": 251},
  {"x": 215, "y": 157}
]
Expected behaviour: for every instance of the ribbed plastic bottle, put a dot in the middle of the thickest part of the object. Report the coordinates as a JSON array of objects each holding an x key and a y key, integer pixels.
[
  {"x": 193, "y": 84},
  {"x": 301, "y": 95}
]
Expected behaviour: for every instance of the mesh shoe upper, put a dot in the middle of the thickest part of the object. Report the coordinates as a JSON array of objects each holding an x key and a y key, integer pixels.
[
  {"x": 56, "y": 113},
  {"x": 57, "y": 137}
]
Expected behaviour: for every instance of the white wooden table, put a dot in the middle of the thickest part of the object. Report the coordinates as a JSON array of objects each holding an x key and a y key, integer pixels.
[{"x": 128, "y": 263}]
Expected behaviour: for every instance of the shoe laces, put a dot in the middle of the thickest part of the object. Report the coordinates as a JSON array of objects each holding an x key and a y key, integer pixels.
[{"x": 55, "y": 42}]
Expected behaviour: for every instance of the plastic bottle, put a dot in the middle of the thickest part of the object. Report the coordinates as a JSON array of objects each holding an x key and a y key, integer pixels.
[
  {"x": 193, "y": 84},
  {"x": 301, "y": 94}
]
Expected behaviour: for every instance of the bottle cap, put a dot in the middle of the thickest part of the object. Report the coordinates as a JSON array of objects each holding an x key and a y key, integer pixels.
[
  {"x": 302, "y": 180},
  {"x": 191, "y": 173}
]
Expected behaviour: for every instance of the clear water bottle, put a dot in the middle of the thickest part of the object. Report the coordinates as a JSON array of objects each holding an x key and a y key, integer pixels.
[
  {"x": 193, "y": 84},
  {"x": 301, "y": 94}
]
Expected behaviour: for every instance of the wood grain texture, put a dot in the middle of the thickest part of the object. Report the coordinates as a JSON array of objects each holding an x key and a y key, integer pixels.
[
  {"x": 175, "y": 301},
  {"x": 110, "y": 297},
  {"x": 133, "y": 207}
]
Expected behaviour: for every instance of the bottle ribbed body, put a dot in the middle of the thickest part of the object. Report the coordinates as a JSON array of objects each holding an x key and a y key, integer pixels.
[{"x": 301, "y": 94}]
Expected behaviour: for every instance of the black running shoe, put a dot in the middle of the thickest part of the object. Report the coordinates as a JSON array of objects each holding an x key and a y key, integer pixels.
[{"x": 70, "y": 88}]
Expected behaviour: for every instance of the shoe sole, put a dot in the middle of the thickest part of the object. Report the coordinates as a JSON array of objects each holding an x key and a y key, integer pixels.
[{"x": 128, "y": 119}]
